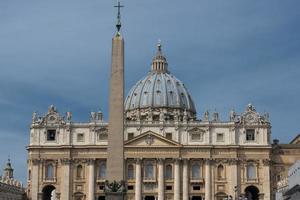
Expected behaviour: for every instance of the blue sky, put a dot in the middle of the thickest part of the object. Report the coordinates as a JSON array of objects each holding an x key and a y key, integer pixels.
[{"x": 228, "y": 54}]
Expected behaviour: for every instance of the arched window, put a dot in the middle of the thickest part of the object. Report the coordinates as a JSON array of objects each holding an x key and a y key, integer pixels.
[
  {"x": 220, "y": 172},
  {"x": 130, "y": 172},
  {"x": 196, "y": 171},
  {"x": 102, "y": 171},
  {"x": 251, "y": 171},
  {"x": 49, "y": 171},
  {"x": 149, "y": 174},
  {"x": 169, "y": 172},
  {"x": 79, "y": 172}
]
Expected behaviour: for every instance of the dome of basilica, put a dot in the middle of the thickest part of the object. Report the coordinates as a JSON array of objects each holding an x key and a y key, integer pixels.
[{"x": 159, "y": 95}]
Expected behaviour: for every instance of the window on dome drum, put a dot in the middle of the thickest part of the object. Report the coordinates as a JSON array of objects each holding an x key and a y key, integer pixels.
[
  {"x": 196, "y": 171},
  {"x": 49, "y": 171},
  {"x": 51, "y": 135},
  {"x": 149, "y": 172},
  {"x": 220, "y": 137},
  {"x": 250, "y": 135},
  {"x": 251, "y": 171},
  {"x": 80, "y": 137},
  {"x": 130, "y": 136},
  {"x": 169, "y": 172},
  {"x": 169, "y": 136},
  {"x": 79, "y": 172},
  {"x": 130, "y": 172},
  {"x": 102, "y": 171}
]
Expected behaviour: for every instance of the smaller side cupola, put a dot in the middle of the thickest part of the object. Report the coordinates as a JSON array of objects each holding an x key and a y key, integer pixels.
[{"x": 8, "y": 172}]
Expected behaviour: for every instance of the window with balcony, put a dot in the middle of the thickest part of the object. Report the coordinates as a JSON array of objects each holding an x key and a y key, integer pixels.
[
  {"x": 149, "y": 171},
  {"x": 130, "y": 172},
  {"x": 169, "y": 172},
  {"x": 102, "y": 171},
  {"x": 251, "y": 171},
  {"x": 196, "y": 171},
  {"x": 49, "y": 175}
]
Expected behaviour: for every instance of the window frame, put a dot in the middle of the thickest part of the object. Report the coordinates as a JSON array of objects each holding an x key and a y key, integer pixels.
[{"x": 252, "y": 133}]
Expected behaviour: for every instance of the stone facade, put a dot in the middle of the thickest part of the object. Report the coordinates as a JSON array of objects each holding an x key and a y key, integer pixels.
[{"x": 168, "y": 152}]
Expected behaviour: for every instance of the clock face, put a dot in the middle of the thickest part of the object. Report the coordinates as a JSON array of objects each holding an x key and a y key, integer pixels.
[
  {"x": 250, "y": 118},
  {"x": 52, "y": 118}
]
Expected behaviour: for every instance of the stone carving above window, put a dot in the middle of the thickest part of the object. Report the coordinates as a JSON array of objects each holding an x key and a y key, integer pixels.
[
  {"x": 52, "y": 118},
  {"x": 252, "y": 117}
]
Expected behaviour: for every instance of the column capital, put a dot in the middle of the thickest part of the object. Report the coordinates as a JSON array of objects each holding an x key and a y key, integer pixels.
[
  {"x": 138, "y": 160},
  {"x": 65, "y": 161},
  {"x": 177, "y": 160},
  {"x": 90, "y": 161},
  {"x": 36, "y": 161},
  {"x": 160, "y": 160},
  {"x": 208, "y": 161}
]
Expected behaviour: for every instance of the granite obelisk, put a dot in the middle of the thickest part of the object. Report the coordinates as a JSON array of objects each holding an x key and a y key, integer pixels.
[{"x": 115, "y": 186}]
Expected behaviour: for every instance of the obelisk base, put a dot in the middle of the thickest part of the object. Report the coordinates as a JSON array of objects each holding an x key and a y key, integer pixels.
[
  {"x": 115, "y": 190},
  {"x": 114, "y": 196}
]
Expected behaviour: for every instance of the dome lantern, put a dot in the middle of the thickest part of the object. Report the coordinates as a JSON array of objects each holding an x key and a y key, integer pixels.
[{"x": 159, "y": 62}]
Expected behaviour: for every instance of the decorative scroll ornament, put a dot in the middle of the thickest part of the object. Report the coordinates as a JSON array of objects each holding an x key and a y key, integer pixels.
[
  {"x": 114, "y": 187},
  {"x": 251, "y": 116}
]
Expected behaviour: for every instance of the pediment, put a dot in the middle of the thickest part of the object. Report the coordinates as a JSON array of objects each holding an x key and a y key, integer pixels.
[{"x": 151, "y": 139}]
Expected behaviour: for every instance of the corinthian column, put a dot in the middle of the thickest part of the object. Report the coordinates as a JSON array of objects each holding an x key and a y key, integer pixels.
[
  {"x": 177, "y": 180},
  {"x": 65, "y": 193},
  {"x": 207, "y": 180},
  {"x": 161, "y": 186},
  {"x": 35, "y": 179},
  {"x": 185, "y": 180},
  {"x": 91, "y": 183},
  {"x": 138, "y": 180}
]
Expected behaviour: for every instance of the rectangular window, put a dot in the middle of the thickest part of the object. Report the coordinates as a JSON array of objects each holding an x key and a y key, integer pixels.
[
  {"x": 250, "y": 135},
  {"x": 130, "y": 136},
  {"x": 169, "y": 136},
  {"x": 130, "y": 187},
  {"x": 220, "y": 137},
  {"x": 102, "y": 136},
  {"x": 197, "y": 136},
  {"x": 196, "y": 187},
  {"x": 51, "y": 135},
  {"x": 101, "y": 187},
  {"x": 169, "y": 187},
  {"x": 80, "y": 137}
]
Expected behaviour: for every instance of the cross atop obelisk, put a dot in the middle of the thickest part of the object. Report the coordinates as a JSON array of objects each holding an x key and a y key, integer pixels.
[
  {"x": 115, "y": 185},
  {"x": 118, "y": 25}
]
